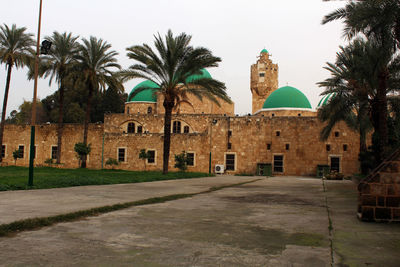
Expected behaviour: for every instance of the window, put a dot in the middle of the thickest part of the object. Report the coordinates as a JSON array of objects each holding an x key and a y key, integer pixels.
[
  {"x": 3, "y": 151},
  {"x": 344, "y": 147},
  {"x": 127, "y": 110},
  {"x": 278, "y": 163},
  {"x": 335, "y": 164},
  {"x": 21, "y": 150},
  {"x": 230, "y": 162},
  {"x": 152, "y": 156},
  {"x": 229, "y": 133},
  {"x": 268, "y": 146},
  {"x": 54, "y": 152},
  {"x": 287, "y": 146},
  {"x": 299, "y": 114},
  {"x": 186, "y": 129},
  {"x": 121, "y": 154},
  {"x": 176, "y": 127},
  {"x": 140, "y": 129},
  {"x": 229, "y": 145},
  {"x": 190, "y": 158},
  {"x": 149, "y": 110},
  {"x": 131, "y": 127},
  {"x": 328, "y": 147},
  {"x": 273, "y": 114},
  {"x": 262, "y": 74},
  {"x": 336, "y": 134},
  {"x": 278, "y": 133}
]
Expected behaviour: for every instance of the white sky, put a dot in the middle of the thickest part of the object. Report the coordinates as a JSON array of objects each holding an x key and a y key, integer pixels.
[{"x": 235, "y": 30}]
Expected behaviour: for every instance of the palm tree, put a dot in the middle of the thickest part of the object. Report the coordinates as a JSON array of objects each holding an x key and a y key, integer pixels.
[
  {"x": 379, "y": 21},
  {"x": 15, "y": 48},
  {"x": 169, "y": 68},
  {"x": 58, "y": 65},
  {"x": 95, "y": 65},
  {"x": 350, "y": 91}
]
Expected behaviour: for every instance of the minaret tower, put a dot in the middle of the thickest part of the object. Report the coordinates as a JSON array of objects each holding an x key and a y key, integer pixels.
[{"x": 264, "y": 80}]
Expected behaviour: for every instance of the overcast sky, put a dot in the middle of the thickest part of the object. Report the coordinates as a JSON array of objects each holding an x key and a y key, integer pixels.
[{"x": 235, "y": 30}]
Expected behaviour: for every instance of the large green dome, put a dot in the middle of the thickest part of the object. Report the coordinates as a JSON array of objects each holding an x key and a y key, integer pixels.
[
  {"x": 204, "y": 74},
  {"x": 325, "y": 99},
  {"x": 144, "y": 96},
  {"x": 287, "y": 97}
]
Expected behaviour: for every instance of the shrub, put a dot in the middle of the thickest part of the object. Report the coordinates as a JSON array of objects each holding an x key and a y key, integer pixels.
[
  {"x": 112, "y": 162},
  {"x": 143, "y": 155},
  {"x": 82, "y": 150},
  {"x": 181, "y": 161},
  {"x": 49, "y": 162},
  {"x": 17, "y": 154},
  {"x": 334, "y": 175}
]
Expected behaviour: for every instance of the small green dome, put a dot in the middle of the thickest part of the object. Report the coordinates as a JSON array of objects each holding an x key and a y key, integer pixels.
[
  {"x": 325, "y": 99},
  {"x": 287, "y": 97},
  {"x": 264, "y": 51},
  {"x": 146, "y": 95},
  {"x": 204, "y": 74}
]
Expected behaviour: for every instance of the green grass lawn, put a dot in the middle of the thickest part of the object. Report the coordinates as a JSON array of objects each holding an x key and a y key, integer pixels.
[{"x": 16, "y": 178}]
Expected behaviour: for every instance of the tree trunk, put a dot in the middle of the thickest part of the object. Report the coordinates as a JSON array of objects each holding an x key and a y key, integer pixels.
[
  {"x": 382, "y": 115},
  {"x": 3, "y": 114},
  {"x": 87, "y": 120},
  {"x": 168, "y": 105},
  {"x": 60, "y": 126}
]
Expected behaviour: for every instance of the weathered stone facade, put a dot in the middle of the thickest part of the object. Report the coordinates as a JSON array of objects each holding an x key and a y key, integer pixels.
[{"x": 288, "y": 139}]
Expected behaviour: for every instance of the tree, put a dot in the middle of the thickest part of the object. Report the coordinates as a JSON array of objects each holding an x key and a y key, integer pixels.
[
  {"x": 15, "y": 50},
  {"x": 94, "y": 71},
  {"x": 144, "y": 155},
  {"x": 170, "y": 68},
  {"x": 58, "y": 66},
  {"x": 24, "y": 115},
  {"x": 379, "y": 21},
  {"x": 181, "y": 161}
]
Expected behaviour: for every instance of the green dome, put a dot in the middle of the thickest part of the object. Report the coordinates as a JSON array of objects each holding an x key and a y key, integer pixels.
[
  {"x": 204, "y": 74},
  {"x": 264, "y": 51},
  {"x": 325, "y": 99},
  {"x": 146, "y": 95},
  {"x": 287, "y": 97}
]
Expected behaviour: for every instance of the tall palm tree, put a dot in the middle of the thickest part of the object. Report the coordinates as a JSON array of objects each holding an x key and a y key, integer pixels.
[
  {"x": 351, "y": 86},
  {"x": 169, "y": 68},
  {"x": 95, "y": 69},
  {"x": 58, "y": 66},
  {"x": 379, "y": 21},
  {"x": 15, "y": 49}
]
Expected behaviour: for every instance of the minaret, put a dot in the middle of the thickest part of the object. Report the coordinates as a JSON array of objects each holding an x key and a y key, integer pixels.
[{"x": 264, "y": 80}]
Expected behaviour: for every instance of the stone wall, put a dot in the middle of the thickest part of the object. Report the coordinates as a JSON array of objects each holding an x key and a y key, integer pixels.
[
  {"x": 252, "y": 139},
  {"x": 46, "y": 137}
]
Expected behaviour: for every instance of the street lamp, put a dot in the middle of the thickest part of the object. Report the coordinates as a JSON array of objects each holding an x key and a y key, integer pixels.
[{"x": 33, "y": 120}]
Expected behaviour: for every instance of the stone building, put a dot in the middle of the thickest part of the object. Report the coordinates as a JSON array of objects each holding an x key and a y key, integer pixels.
[{"x": 282, "y": 132}]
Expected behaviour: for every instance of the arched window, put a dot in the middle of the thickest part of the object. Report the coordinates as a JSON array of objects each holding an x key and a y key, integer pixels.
[
  {"x": 131, "y": 127},
  {"x": 176, "y": 127},
  {"x": 149, "y": 110},
  {"x": 186, "y": 129}
]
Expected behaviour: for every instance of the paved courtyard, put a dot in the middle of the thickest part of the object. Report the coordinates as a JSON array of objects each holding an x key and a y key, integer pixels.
[{"x": 281, "y": 221}]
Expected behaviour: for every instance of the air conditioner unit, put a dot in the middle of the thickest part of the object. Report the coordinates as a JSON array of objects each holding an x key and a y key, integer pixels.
[{"x": 219, "y": 168}]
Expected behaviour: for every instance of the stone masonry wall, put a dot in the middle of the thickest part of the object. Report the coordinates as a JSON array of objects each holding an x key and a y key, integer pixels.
[{"x": 252, "y": 139}]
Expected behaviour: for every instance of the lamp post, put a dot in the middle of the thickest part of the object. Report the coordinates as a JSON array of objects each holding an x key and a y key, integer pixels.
[{"x": 33, "y": 120}]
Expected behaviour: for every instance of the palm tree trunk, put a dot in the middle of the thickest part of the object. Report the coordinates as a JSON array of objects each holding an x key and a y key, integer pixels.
[
  {"x": 168, "y": 106},
  {"x": 87, "y": 120},
  {"x": 382, "y": 114},
  {"x": 60, "y": 124},
  {"x": 3, "y": 114}
]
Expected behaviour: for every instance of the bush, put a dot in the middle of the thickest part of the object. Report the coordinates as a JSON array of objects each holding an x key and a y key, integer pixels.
[
  {"x": 49, "y": 162},
  {"x": 334, "y": 175},
  {"x": 82, "y": 150},
  {"x": 17, "y": 154},
  {"x": 112, "y": 162},
  {"x": 181, "y": 161}
]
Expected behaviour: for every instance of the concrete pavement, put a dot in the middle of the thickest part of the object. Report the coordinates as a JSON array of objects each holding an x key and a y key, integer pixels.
[{"x": 280, "y": 221}]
